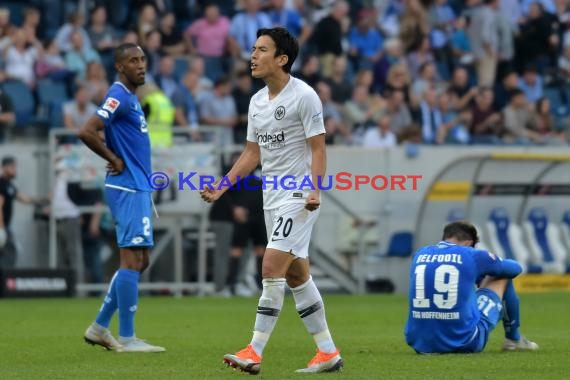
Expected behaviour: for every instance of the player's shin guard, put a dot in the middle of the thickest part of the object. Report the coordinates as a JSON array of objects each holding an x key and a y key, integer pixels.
[
  {"x": 311, "y": 309},
  {"x": 270, "y": 304},
  {"x": 127, "y": 297},
  {"x": 109, "y": 304},
  {"x": 511, "y": 312}
]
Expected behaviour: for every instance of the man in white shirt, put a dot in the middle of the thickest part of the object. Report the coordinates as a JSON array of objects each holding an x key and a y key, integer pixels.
[
  {"x": 381, "y": 136},
  {"x": 286, "y": 131}
]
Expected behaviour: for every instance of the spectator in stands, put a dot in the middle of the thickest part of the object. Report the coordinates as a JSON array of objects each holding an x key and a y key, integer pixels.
[
  {"x": 460, "y": 86},
  {"x": 362, "y": 110},
  {"x": 289, "y": 18},
  {"x": 165, "y": 77},
  {"x": 80, "y": 54},
  {"x": 414, "y": 25},
  {"x": 519, "y": 121},
  {"x": 460, "y": 44},
  {"x": 309, "y": 72},
  {"x": 9, "y": 193},
  {"x": 335, "y": 127},
  {"x": 96, "y": 82},
  {"x": 186, "y": 104},
  {"x": 243, "y": 29},
  {"x": 531, "y": 83},
  {"x": 77, "y": 111},
  {"x": 484, "y": 37},
  {"x": 485, "y": 125},
  {"x": 429, "y": 116},
  {"x": 6, "y": 28},
  {"x": 420, "y": 57},
  {"x": 20, "y": 58},
  {"x": 503, "y": 91},
  {"x": 547, "y": 126},
  {"x": 564, "y": 63},
  {"x": 52, "y": 65},
  {"x": 365, "y": 42},
  {"x": 455, "y": 122},
  {"x": 218, "y": 109},
  {"x": 151, "y": 45},
  {"x": 205, "y": 84},
  {"x": 147, "y": 21},
  {"x": 75, "y": 23},
  {"x": 398, "y": 111},
  {"x": 506, "y": 47},
  {"x": 365, "y": 77},
  {"x": 427, "y": 78},
  {"x": 31, "y": 23},
  {"x": 242, "y": 93},
  {"x": 103, "y": 36},
  {"x": 380, "y": 136},
  {"x": 7, "y": 115},
  {"x": 341, "y": 87},
  {"x": 208, "y": 37},
  {"x": 328, "y": 34},
  {"x": 393, "y": 55},
  {"x": 536, "y": 39},
  {"x": 171, "y": 37},
  {"x": 399, "y": 79}
]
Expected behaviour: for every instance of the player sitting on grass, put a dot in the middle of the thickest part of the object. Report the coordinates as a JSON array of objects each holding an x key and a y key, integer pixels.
[{"x": 458, "y": 294}]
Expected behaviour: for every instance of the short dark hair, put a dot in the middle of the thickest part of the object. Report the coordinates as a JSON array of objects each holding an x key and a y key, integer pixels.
[
  {"x": 120, "y": 50},
  {"x": 461, "y": 230},
  {"x": 285, "y": 44},
  {"x": 8, "y": 160}
]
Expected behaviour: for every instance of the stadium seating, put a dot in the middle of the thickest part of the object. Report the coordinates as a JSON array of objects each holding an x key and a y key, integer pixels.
[
  {"x": 547, "y": 252},
  {"x": 51, "y": 96},
  {"x": 24, "y": 103},
  {"x": 506, "y": 237},
  {"x": 565, "y": 234}
]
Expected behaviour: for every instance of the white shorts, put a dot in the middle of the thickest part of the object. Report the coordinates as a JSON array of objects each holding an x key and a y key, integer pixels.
[{"x": 289, "y": 228}]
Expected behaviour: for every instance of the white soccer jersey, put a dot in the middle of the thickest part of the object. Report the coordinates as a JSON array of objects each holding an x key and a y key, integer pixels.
[{"x": 281, "y": 127}]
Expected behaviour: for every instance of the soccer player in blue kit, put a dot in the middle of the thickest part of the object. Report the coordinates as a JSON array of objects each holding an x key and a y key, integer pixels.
[
  {"x": 126, "y": 149},
  {"x": 458, "y": 294}
]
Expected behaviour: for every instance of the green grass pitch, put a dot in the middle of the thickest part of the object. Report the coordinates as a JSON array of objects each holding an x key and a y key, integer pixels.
[{"x": 42, "y": 339}]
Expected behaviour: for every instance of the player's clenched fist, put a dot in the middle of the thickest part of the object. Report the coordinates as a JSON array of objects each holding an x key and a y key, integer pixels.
[{"x": 210, "y": 195}]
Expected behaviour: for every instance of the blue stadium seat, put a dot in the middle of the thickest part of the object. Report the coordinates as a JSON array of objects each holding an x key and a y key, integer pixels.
[
  {"x": 565, "y": 232},
  {"x": 506, "y": 238},
  {"x": 51, "y": 96},
  {"x": 547, "y": 251},
  {"x": 401, "y": 244},
  {"x": 455, "y": 214},
  {"x": 23, "y": 101}
]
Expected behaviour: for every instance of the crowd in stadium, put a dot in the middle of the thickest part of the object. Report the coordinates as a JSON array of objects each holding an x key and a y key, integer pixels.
[{"x": 387, "y": 71}]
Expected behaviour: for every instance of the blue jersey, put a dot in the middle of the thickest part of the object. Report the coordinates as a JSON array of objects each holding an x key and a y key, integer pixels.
[
  {"x": 126, "y": 134},
  {"x": 443, "y": 311}
]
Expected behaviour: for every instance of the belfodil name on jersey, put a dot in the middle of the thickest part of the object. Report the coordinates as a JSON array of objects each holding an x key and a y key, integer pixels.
[{"x": 442, "y": 258}]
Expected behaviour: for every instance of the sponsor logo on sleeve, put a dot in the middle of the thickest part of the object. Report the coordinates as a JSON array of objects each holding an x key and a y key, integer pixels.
[
  {"x": 111, "y": 105},
  {"x": 104, "y": 114}
]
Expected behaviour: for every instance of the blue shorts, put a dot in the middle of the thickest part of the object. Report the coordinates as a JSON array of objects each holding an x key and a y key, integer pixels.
[
  {"x": 132, "y": 211},
  {"x": 490, "y": 309}
]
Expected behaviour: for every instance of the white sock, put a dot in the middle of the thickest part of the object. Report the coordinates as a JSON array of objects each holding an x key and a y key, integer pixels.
[
  {"x": 269, "y": 306},
  {"x": 311, "y": 309}
]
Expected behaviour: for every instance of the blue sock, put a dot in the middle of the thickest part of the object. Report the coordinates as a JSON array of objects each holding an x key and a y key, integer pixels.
[
  {"x": 109, "y": 304},
  {"x": 511, "y": 312},
  {"x": 127, "y": 297}
]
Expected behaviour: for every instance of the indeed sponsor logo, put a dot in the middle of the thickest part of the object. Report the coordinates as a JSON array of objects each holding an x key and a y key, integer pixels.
[{"x": 270, "y": 137}]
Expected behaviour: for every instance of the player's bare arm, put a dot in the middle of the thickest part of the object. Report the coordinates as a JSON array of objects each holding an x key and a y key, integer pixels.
[
  {"x": 89, "y": 134},
  {"x": 247, "y": 162},
  {"x": 318, "y": 170}
]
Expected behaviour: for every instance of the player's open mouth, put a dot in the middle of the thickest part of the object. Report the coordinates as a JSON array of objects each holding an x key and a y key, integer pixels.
[{"x": 253, "y": 66}]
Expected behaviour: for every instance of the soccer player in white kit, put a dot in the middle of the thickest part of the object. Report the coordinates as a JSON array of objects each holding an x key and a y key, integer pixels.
[{"x": 286, "y": 131}]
